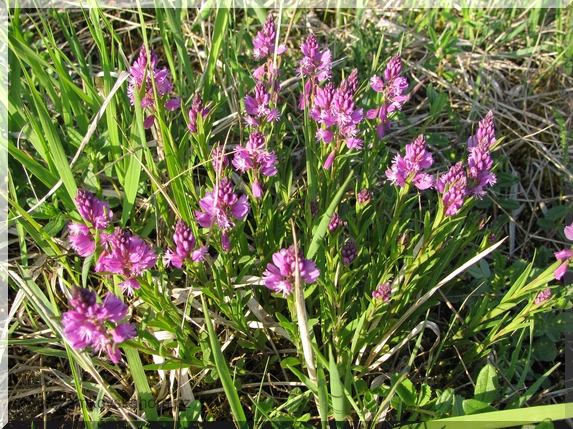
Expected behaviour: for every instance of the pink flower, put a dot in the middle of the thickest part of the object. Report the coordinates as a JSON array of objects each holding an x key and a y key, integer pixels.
[
  {"x": 453, "y": 187},
  {"x": 279, "y": 275},
  {"x": 87, "y": 324},
  {"x": 184, "y": 247},
  {"x": 392, "y": 90},
  {"x": 416, "y": 159},
  {"x": 128, "y": 256},
  {"x": 81, "y": 239},
  {"x": 264, "y": 41},
  {"x": 564, "y": 255},
  {"x": 143, "y": 74},
  {"x": 219, "y": 206},
  {"x": 197, "y": 109},
  {"x": 569, "y": 232},
  {"x": 97, "y": 213}
]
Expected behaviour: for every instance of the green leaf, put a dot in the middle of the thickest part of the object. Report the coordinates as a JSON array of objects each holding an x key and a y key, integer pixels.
[
  {"x": 424, "y": 396},
  {"x": 545, "y": 223},
  {"x": 499, "y": 419},
  {"x": 473, "y": 406},
  {"x": 336, "y": 390},
  {"x": 547, "y": 424},
  {"x": 505, "y": 180},
  {"x": 140, "y": 380},
  {"x": 544, "y": 350},
  {"x": 323, "y": 226},
  {"x": 563, "y": 322},
  {"x": 55, "y": 225},
  {"x": 557, "y": 213},
  {"x": 445, "y": 401},
  {"x": 509, "y": 204},
  {"x": 405, "y": 390},
  {"x": 219, "y": 33},
  {"x": 223, "y": 370},
  {"x": 486, "y": 385}
]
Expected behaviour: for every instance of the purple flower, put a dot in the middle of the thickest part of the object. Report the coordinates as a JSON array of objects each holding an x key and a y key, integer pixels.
[
  {"x": 383, "y": 292},
  {"x": 453, "y": 186},
  {"x": 364, "y": 196},
  {"x": 197, "y": 109},
  {"x": 316, "y": 65},
  {"x": 142, "y": 77},
  {"x": 335, "y": 222},
  {"x": 81, "y": 239},
  {"x": 564, "y": 255},
  {"x": 184, "y": 247},
  {"x": 280, "y": 274},
  {"x": 479, "y": 160},
  {"x": 569, "y": 232},
  {"x": 416, "y": 159},
  {"x": 542, "y": 296},
  {"x": 219, "y": 206},
  {"x": 264, "y": 42},
  {"x": 485, "y": 134},
  {"x": 128, "y": 256},
  {"x": 349, "y": 251},
  {"x": 254, "y": 156},
  {"x": 392, "y": 91},
  {"x": 259, "y": 106},
  {"x": 335, "y": 107},
  {"x": 97, "y": 213},
  {"x": 87, "y": 324}
]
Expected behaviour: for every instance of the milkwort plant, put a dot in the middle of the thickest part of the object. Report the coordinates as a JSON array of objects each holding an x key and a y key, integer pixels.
[{"x": 343, "y": 256}]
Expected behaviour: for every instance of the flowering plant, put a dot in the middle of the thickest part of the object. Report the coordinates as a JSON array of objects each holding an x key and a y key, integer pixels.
[{"x": 283, "y": 222}]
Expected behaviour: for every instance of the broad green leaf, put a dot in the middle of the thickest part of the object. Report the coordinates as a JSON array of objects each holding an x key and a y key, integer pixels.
[
  {"x": 487, "y": 386},
  {"x": 405, "y": 390},
  {"x": 473, "y": 406}
]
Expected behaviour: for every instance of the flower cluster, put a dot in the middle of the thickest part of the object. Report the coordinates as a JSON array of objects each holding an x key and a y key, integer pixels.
[
  {"x": 542, "y": 296},
  {"x": 143, "y": 74},
  {"x": 262, "y": 108},
  {"x": 184, "y": 247},
  {"x": 197, "y": 109},
  {"x": 452, "y": 186},
  {"x": 255, "y": 156},
  {"x": 479, "y": 160},
  {"x": 409, "y": 167},
  {"x": 265, "y": 40},
  {"x": 128, "y": 256},
  {"x": 392, "y": 88},
  {"x": 461, "y": 181},
  {"x": 87, "y": 324},
  {"x": 337, "y": 116},
  {"x": 364, "y": 196},
  {"x": 349, "y": 251},
  {"x": 219, "y": 206},
  {"x": 564, "y": 255},
  {"x": 98, "y": 216},
  {"x": 280, "y": 274},
  {"x": 335, "y": 223},
  {"x": 316, "y": 65},
  {"x": 383, "y": 292},
  {"x": 259, "y": 107}
]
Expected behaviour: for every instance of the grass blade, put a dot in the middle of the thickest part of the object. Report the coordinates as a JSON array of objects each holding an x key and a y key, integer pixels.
[
  {"x": 223, "y": 370},
  {"x": 141, "y": 384},
  {"x": 219, "y": 32}
]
